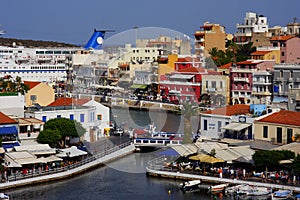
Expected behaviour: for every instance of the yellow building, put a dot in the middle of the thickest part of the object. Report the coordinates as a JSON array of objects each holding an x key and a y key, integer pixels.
[
  {"x": 266, "y": 55},
  {"x": 169, "y": 66},
  {"x": 279, "y": 127},
  {"x": 40, "y": 93},
  {"x": 209, "y": 36}
]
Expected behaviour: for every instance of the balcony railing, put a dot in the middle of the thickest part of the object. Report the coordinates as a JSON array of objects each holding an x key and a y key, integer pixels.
[{"x": 241, "y": 79}]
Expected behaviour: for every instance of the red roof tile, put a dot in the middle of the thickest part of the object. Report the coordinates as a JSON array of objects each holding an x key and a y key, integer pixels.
[
  {"x": 31, "y": 84},
  {"x": 192, "y": 69},
  {"x": 237, "y": 109},
  {"x": 4, "y": 119},
  {"x": 282, "y": 38},
  {"x": 226, "y": 66},
  {"x": 247, "y": 62},
  {"x": 64, "y": 101},
  {"x": 283, "y": 117},
  {"x": 260, "y": 53}
]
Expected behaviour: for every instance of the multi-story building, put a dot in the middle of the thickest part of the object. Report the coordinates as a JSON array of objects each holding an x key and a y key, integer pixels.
[
  {"x": 8, "y": 131},
  {"x": 253, "y": 24},
  {"x": 184, "y": 85},
  {"x": 12, "y": 104},
  {"x": 241, "y": 79},
  {"x": 215, "y": 89},
  {"x": 285, "y": 78},
  {"x": 267, "y": 53},
  {"x": 262, "y": 87},
  {"x": 289, "y": 48},
  {"x": 294, "y": 99},
  {"x": 278, "y": 127},
  {"x": 293, "y": 28},
  {"x": 209, "y": 36}
]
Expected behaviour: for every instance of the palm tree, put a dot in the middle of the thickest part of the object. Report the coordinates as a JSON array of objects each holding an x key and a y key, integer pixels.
[{"x": 188, "y": 110}]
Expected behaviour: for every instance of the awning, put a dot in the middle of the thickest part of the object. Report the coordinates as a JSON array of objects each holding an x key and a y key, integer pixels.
[
  {"x": 234, "y": 126},
  {"x": 10, "y": 146},
  {"x": 182, "y": 76},
  {"x": 8, "y": 130},
  {"x": 71, "y": 152},
  {"x": 138, "y": 86},
  {"x": 185, "y": 149}
]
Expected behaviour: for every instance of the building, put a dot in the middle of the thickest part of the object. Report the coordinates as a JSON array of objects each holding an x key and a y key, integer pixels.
[
  {"x": 93, "y": 116},
  {"x": 294, "y": 99},
  {"x": 293, "y": 28},
  {"x": 289, "y": 48},
  {"x": 215, "y": 89},
  {"x": 278, "y": 127},
  {"x": 267, "y": 53},
  {"x": 215, "y": 123},
  {"x": 184, "y": 85},
  {"x": 262, "y": 87},
  {"x": 254, "y": 26},
  {"x": 285, "y": 78},
  {"x": 29, "y": 129},
  {"x": 209, "y": 36},
  {"x": 12, "y": 104},
  {"x": 8, "y": 131},
  {"x": 39, "y": 92},
  {"x": 241, "y": 80}
]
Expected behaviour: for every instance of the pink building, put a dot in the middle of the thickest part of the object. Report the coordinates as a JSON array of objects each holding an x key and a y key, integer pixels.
[
  {"x": 289, "y": 48},
  {"x": 241, "y": 79}
]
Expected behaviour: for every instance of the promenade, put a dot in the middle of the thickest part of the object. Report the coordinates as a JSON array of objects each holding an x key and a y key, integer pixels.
[
  {"x": 156, "y": 168},
  {"x": 70, "y": 170}
]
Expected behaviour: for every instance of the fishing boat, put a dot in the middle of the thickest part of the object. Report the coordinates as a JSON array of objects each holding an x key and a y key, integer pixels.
[
  {"x": 218, "y": 188},
  {"x": 190, "y": 185},
  {"x": 248, "y": 190},
  {"x": 282, "y": 194}
]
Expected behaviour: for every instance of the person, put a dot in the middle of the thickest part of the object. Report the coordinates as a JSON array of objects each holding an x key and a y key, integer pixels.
[
  {"x": 221, "y": 172},
  {"x": 244, "y": 173},
  {"x": 231, "y": 173}
]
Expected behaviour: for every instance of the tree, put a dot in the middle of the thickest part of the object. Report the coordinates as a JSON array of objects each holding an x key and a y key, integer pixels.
[
  {"x": 296, "y": 164},
  {"x": 50, "y": 137},
  {"x": 188, "y": 110},
  {"x": 65, "y": 127}
]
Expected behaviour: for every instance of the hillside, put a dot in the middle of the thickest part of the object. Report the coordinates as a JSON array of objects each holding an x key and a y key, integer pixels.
[{"x": 33, "y": 43}]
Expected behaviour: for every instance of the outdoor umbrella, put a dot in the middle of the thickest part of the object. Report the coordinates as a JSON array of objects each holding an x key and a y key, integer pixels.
[{"x": 206, "y": 158}]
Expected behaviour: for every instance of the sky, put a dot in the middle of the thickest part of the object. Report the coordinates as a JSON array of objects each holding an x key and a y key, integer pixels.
[{"x": 73, "y": 21}]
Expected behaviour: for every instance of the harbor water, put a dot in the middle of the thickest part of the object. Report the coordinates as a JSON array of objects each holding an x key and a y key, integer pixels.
[{"x": 124, "y": 178}]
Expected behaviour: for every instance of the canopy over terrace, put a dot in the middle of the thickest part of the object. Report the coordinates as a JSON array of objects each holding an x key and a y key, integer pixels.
[
  {"x": 235, "y": 126},
  {"x": 239, "y": 154},
  {"x": 71, "y": 152},
  {"x": 37, "y": 149},
  {"x": 186, "y": 149}
]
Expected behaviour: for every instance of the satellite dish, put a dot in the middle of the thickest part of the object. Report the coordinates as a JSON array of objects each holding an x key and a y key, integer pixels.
[{"x": 229, "y": 37}]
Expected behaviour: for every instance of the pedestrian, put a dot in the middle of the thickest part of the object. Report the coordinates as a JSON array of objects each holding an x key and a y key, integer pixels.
[
  {"x": 231, "y": 173},
  {"x": 221, "y": 172},
  {"x": 244, "y": 173}
]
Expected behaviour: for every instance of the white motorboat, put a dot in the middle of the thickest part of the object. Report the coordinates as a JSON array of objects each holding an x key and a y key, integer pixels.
[
  {"x": 282, "y": 194},
  {"x": 190, "y": 185},
  {"x": 218, "y": 188},
  {"x": 4, "y": 196}
]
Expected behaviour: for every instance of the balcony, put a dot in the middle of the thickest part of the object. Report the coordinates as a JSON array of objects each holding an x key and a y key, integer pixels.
[
  {"x": 279, "y": 79},
  {"x": 241, "y": 79},
  {"x": 211, "y": 90},
  {"x": 262, "y": 93}
]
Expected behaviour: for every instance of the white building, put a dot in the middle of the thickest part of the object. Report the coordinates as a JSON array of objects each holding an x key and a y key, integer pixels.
[{"x": 93, "y": 116}]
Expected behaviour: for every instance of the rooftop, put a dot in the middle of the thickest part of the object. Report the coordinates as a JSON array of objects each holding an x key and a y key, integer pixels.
[
  {"x": 283, "y": 117},
  {"x": 237, "y": 109},
  {"x": 64, "y": 101},
  {"x": 4, "y": 119},
  {"x": 31, "y": 84},
  {"x": 282, "y": 38}
]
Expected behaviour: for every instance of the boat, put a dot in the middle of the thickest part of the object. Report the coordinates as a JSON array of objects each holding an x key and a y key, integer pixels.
[
  {"x": 4, "y": 196},
  {"x": 282, "y": 194},
  {"x": 259, "y": 191},
  {"x": 218, "y": 188},
  {"x": 248, "y": 190},
  {"x": 190, "y": 185}
]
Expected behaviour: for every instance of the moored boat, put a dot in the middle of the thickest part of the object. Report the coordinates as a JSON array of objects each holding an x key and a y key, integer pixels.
[
  {"x": 218, "y": 188},
  {"x": 282, "y": 194},
  {"x": 4, "y": 196},
  {"x": 190, "y": 185}
]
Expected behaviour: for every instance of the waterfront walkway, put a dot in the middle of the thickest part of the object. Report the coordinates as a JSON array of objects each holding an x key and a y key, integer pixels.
[
  {"x": 70, "y": 170},
  {"x": 156, "y": 168}
]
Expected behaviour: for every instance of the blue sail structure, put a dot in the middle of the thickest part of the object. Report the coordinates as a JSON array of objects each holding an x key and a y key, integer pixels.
[{"x": 96, "y": 40}]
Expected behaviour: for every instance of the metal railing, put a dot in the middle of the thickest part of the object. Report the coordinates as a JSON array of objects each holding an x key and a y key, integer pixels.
[{"x": 55, "y": 170}]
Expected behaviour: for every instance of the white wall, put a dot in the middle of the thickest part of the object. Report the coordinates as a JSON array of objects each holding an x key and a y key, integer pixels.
[{"x": 12, "y": 105}]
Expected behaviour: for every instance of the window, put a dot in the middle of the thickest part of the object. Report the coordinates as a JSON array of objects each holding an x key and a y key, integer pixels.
[
  {"x": 279, "y": 135},
  {"x": 44, "y": 118},
  {"x": 265, "y": 132},
  {"x": 58, "y": 116},
  {"x": 71, "y": 117},
  {"x": 219, "y": 126},
  {"x": 221, "y": 84},
  {"x": 81, "y": 117},
  {"x": 99, "y": 117},
  {"x": 282, "y": 53}
]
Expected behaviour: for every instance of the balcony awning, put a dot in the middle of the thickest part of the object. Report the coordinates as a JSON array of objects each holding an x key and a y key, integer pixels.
[
  {"x": 138, "y": 86},
  {"x": 235, "y": 126},
  {"x": 8, "y": 130}
]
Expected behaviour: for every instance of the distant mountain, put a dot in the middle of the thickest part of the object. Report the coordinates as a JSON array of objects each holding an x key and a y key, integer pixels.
[{"x": 33, "y": 43}]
